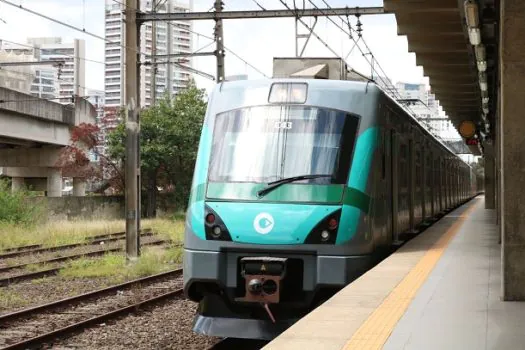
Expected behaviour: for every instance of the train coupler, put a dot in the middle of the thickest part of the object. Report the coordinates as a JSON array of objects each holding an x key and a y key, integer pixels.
[{"x": 263, "y": 277}]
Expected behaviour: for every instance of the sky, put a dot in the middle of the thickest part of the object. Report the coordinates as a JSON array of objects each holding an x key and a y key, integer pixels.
[{"x": 257, "y": 41}]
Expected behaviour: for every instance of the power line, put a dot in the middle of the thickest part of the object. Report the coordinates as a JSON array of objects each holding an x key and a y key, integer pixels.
[
  {"x": 207, "y": 37},
  {"x": 40, "y": 49},
  {"x": 53, "y": 19},
  {"x": 41, "y": 99},
  {"x": 40, "y": 77},
  {"x": 380, "y": 74},
  {"x": 85, "y": 59},
  {"x": 69, "y": 25}
]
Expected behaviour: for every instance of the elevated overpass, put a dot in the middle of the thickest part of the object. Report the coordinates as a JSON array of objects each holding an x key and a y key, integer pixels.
[{"x": 32, "y": 133}]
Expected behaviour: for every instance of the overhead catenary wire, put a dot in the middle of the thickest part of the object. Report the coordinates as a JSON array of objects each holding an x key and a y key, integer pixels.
[
  {"x": 382, "y": 72},
  {"x": 210, "y": 38},
  {"x": 54, "y": 80},
  {"x": 81, "y": 58},
  {"x": 40, "y": 49}
]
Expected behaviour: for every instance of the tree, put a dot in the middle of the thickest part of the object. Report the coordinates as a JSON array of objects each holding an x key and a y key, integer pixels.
[
  {"x": 75, "y": 159},
  {"x": 169, "y": 137}
]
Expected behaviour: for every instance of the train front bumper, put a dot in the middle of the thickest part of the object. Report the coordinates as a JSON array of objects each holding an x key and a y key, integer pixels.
[{"x": 222, "y": 269}]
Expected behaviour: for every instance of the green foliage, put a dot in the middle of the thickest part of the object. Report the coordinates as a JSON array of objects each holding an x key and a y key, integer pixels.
[
  {"x": 114, "y": 266},
  {"x": 169, "y": 137},
  {"x": 17, "y": 208}
]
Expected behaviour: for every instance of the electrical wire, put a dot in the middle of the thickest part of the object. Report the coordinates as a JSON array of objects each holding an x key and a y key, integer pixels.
[
  {"x": 69, "y": 26},
  {"x": 40, "y": 99},
  {"x": 54, "y": 80},
  {"x": 381, "y": 75},
  {"x": 77, "y": 29},
  {"x": 40, "y": 49},
  {"x": 207, "y": 37}
]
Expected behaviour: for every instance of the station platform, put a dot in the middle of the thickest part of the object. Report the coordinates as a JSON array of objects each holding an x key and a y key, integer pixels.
[{"x": 440, "y": 290}]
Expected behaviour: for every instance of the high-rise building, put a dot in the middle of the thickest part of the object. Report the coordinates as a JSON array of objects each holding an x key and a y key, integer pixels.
[
  {"x": 96, "y": 98},
  {"x": 61, "y": 83},
  {"x": 172, "y": 38}
]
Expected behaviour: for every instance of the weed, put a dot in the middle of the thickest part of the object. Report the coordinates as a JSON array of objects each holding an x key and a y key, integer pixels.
[
  {"x": 152, "y": 260},
  {"x": 10, "y": 299},
  {"x": 67, "y": 232}
]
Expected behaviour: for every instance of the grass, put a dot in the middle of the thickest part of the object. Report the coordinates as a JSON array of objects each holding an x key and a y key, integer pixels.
[
  {"x": 173, "y": 229},
  {"x": 10, "y": 299},
  {"x": 68, "y": 232},
  {"x": 114, "y": 266}
]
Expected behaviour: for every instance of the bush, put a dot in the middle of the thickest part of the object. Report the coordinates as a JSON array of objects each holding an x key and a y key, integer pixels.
[{"x": 17, "y": 208}]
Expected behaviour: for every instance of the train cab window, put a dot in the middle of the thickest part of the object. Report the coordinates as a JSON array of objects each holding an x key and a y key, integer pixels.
[{"x": 267, "y": 143}]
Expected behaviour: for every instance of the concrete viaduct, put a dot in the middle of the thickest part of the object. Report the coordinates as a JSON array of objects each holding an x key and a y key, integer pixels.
[{"x": 32, "y": 134}]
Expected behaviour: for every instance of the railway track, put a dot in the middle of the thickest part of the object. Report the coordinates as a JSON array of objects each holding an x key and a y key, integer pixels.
[
  {"x": 43, "y": 324},
  {"x": 92, "y": 240},
  {"x": 11, "y": 278}
]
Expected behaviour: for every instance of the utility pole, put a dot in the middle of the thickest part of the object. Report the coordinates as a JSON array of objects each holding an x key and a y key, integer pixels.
[
  {"x": 153, "y": 88},
  {"x": 131, "y": 96},
  {"x": 219, "y": 40}
]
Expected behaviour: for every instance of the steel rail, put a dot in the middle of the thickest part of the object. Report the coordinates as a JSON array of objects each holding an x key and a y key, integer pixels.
[{"x": 93, "y": 320}]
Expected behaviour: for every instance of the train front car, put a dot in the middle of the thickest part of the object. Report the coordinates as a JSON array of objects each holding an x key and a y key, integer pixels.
[{"x": 278, "y": 209}]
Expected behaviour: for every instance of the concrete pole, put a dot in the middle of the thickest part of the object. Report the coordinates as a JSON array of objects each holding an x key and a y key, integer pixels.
[
  {"x": 54, "y": 182},
  {"x": 79, "y": 187},
  {"x": 512, "y": 61},
  {"x": 132, "y": 77},
  {"x": 17, "y": 184}
]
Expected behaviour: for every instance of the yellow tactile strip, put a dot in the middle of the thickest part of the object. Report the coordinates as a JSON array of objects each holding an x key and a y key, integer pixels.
[{"x": 375, "y": 331}]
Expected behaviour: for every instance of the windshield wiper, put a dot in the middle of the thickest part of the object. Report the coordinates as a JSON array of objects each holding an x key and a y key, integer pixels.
[{"x": 274, "y": 184}]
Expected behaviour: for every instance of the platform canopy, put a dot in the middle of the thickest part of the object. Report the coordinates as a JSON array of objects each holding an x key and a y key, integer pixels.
[{"x": 441, "y": 34}]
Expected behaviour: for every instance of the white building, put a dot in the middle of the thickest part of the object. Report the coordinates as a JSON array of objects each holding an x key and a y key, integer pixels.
[
  {"x": 65, "y": 82},
  {"x": 96, "y": 98},
  {"x": 420, "y": 101},
  {"x": 173, "y": 38},
  {"x": 17, "y": 78}
]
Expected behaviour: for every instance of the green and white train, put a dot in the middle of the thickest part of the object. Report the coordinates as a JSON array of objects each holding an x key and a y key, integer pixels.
[{"x": 298, "y": 185}]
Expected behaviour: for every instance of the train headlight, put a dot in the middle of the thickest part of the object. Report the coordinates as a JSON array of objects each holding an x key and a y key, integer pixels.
[
  {"x": 288, "y": 93},
  {"x": 216, "y": 232},
  {"x": 325, "y": 235}
]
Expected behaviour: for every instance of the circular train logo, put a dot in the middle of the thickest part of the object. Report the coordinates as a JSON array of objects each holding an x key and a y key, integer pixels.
[{"x": 263, "y": 223}]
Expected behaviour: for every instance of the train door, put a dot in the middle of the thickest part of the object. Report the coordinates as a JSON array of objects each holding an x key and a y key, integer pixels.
[
  {"x": 430, "y": 185},
  {"x": 411, "y": 184},
  {"x": 424, "y": 175},
  {"x": 394, "y": 181},
  {"x": 387, "y": 181}
]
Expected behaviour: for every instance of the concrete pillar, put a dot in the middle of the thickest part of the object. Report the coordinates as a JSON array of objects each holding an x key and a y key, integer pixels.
[
  {"x": 512, "y": 75},
  {"x": 54, "y": 182},
  {"x": 79, "y": 187},
  {"x": 490, "y": 181},
  {"x": 17, "y": 184}
]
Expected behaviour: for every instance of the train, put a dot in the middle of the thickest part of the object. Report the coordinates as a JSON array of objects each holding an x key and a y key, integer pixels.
[{"x": 300, "y": 183}]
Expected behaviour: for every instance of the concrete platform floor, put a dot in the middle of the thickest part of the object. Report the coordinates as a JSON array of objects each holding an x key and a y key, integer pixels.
[{"x": 441, "y": 290}]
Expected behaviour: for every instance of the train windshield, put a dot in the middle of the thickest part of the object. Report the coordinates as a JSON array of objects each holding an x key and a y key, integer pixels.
[{"x": 267, "y": 143}]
